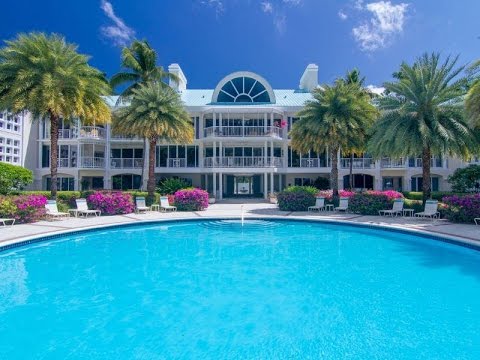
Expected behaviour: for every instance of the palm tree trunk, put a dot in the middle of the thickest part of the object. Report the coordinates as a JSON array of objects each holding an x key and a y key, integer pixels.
[
  {"x": 334, "y": 172},
  {"x": 350, "y": 177},
  {"x": 427, "y": 182},
  {"x": 151, "y": 169},
  {"x": 142, "y": 176},
  {"x": 53, "y": 154}
]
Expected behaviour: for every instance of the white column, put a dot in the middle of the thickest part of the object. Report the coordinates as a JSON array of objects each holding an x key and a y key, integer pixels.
[
  {"x": 215, "y": 184},
  {"x": 201, "y": 132},
  {"x": 265, "y": 153},
  {"x": 214, "y": 153},
  {"x": 145, "y": 167},
  {"x": 201, "y": 162},
  {"x": 220, "y": 155},
  {"x": 280, "y": 182},
  {"x": 265, "y": 185},
  {"x": 271, "y": 153},
  {"x": 107, "y": 178},
  {"x": 220, "y": 185},
  {"x": 265, "y": 118},
  {"x": 220, "y": 122},
  {"x": 214, "y": 123},
  {"x": 271, "y": 182}
]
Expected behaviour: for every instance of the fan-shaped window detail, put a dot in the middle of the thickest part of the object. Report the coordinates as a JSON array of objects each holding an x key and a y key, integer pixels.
[{"x": 243, "y": 88}]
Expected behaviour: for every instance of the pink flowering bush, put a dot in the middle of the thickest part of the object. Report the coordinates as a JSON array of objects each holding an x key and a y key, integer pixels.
[
  {"x": 111, "y": 203},
  {"x": 328, "y": 194},
  {"x": 390, "y": 194},
  {"x": 23, "y": 208},
  {"x": 191, "y": 199},
  {"x": 297, "y": 198},
  {"x": 461, "y": 208}
]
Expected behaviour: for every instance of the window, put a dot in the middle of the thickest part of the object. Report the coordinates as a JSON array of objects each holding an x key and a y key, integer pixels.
[
  {"x": 126, "y": 182},
  {"x": 16, "y": 143},
  {"x": 243, "y": 89},
  {"x": 63, "y": 183},
  {"x": 417, "y": 183}
]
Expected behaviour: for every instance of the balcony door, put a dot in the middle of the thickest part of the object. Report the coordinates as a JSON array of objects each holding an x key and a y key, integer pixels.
[{"x": 243, "y": 185}]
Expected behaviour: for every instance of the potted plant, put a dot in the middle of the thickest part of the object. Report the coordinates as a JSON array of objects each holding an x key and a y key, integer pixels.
[
  {"x": 272, "y": 197},
  {"x": 211, "y": 198}
]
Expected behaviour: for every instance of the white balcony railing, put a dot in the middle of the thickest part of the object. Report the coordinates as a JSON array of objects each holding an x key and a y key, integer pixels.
[
  {"x": 242, "y": 162},
  {"x": 124, "y": 163},
  {"x": 177, "y": 162},
  {"x": 312, "y": 163},
  {"x": 388, "y": 163},
  {"x": 92, "y": 132},
  {"x": 92, "y": 162},
  {"x": 63, "y": 134},
  {"x": 243, "y": 131},
  {"x": 63, "y": 163},
  {"x": 358, "y": 163},
  {"x": 434, "y": 162},
  {"x": 124, "y": 137}
]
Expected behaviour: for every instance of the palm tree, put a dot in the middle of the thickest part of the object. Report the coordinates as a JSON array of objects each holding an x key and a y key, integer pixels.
[
  {"x": 48, "y": 77},
  {"x": 423, "y": 114},
  {"x": 334, "y": 116},
  {"x": 472, "y": 101},
  {"x": 156, "y": 113},
  {"x": 139, "y": 62}
]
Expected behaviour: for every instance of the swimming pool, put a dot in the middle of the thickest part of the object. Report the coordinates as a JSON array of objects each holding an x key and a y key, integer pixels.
[{"x": 217, "y": 290}]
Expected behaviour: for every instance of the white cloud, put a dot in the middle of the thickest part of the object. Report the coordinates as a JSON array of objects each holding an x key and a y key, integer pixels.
[
  {"x": 267, "y": 7},
  {"x": 385, "y": 22},
  {"x": 280, "y": 22},
  {"x": 218, "y": 5},
  {"x": 119, "y": 33},
  {"x": 378, "y": 90},
  {"x": 342, "y": 15}
]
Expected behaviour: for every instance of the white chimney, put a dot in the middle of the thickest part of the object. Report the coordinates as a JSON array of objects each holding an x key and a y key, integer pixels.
[
  {"x": 181, "y": 85},
  {"x": 309, "y": 80}
]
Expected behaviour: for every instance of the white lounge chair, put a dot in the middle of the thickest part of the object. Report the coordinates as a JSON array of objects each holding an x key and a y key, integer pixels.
[
  {"x": 52, "y": 211},
  {"x": 165, "y": 205},
  {"x": 82, "y": 209},
  {"x": 477, "y": 221},
  {"x": 140, "y": 205},
  {"x": 430, "y": 211},
  {"x": 396, "y": 210},
  {"x": 5, "y": 222},
  {"x": 343, "y": 206},
  {"x": 319, "y": 204}
]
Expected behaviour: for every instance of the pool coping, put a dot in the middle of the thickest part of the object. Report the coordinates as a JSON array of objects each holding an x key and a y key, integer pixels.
[{"x": 437, "y": 236}]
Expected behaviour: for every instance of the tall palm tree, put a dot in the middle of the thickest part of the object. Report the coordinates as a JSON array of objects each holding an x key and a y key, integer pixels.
[
  {"x": 472, "y": 101},
  {"x": 334, "y": 115},
  {"x": 48, "y": 77},
  {"x": 139, "y": 63},
  {"x": 156, "y": 113},
  {"x": 423, "y": 114},
  {"x": 139, "y": 66}
]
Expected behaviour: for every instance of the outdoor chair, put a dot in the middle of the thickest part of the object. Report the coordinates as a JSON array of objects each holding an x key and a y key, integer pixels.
[
  {"x": 140, "y": 205},
  {"x": 5, "y": 222},
  {"x": 343, "y": 206},
  {"x": 52, "y": 211},
  {"x": 430, "y": 211},
  {"x": 319, "y": 204},
  {"x": 477, "y": 221},
  {"x": 396, "y": 210},
  {"x": 82, "y": 209},
  {"x": 165, "y": 205}
]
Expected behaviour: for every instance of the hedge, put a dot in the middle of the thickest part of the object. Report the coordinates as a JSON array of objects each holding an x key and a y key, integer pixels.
[
  {"x": 436, "y": 195},
  {"x": 297, "y": 198},
  {"x": 369, "y": 204}
]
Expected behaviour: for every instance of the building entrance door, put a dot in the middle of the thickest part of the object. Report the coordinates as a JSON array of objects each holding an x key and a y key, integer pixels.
[{"x": 243, "y": 185}]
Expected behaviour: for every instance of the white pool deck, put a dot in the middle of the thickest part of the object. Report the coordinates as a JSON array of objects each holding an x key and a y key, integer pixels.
[{"x": 233, "y": 209}]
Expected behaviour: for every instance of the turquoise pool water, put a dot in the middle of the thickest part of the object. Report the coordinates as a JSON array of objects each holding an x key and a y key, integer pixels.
[{"x": 215, "y": 290}]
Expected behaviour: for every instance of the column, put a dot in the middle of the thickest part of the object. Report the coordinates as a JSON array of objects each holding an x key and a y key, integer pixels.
[
  {"x": 201, "y": 124},
  {"x": 265, "y": 154},
  {"x": 265, "y": 118},
  {"x": 215, "y": 185},
  {"x": 271, "y": 182},
  {"x": 214, "y": 124},
  {"x": 145, "y": 167},
  {"x": 214, "y": 154},
  {"x": 220, "y": 122},
  {"x": 280, "y": 182},
  {"x": 220, "y": 155},
  {"x": 271, "y": 154},
  {"x": 265, "y": 185},
  {"x": 220, "y": 185},
  {"x": 107, "y": 177}
]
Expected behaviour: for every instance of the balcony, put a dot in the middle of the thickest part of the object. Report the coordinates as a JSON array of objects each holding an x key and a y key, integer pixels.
[
  {"x": 435, "y": 162},
  {"x": 123, "y": 163},
  {"x": 63, "y": 134},
  {"x": 92, "y": 132},
  {"x": 358, "y": 163},
  {"x": 312, "y": 163},
  {"x": 243, "y": 131},
  {"x": 124, "y": 137},
  {"x": 92, "y": 162},
  {"x": 388, "y": 163},
  {"x": 242, "y": 162}
]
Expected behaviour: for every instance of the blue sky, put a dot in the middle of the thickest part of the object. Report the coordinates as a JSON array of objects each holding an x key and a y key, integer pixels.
[{"x": 275, "y": 38}]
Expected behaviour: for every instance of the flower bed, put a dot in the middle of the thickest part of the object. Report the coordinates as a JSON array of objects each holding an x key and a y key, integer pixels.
[
  {"x": 23, "y": 208},
  {"x": 111, "y": 203},
  {"x": 461, "y": 209},
  {"x": 369, "y": 203},
  {"x": 297, "y": 198},
  {"x": 191, "y": 199},
  {"x": 328, "y": 194}
]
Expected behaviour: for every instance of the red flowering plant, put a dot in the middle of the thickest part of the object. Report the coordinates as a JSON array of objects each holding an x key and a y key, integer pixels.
[
  {"x": 280, "y": 123},
  {"x": 111, "y": 202},
  {"x": 461, "y": 208},
  {"x": 191, "y": 199},
  {"x": 23, "y": 208}
]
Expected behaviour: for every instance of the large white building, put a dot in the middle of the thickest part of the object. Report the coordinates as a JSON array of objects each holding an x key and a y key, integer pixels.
[
  {"x": 14, "y": 137},
  {"x": 241, "y": 147}
]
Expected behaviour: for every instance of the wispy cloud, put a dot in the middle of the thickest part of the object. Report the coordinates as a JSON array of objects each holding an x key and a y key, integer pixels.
[
  {"x": 342, "y": 15},
  {"x": 118, "y": 32},
  {"x": 276, "y": 9},
  {"x": 385, "y": 22}
]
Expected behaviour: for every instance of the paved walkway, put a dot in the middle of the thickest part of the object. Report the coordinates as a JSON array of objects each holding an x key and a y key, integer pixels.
[{"x": 467, "y": 233}]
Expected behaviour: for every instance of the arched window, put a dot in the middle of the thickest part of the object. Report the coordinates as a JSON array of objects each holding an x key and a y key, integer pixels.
[{"x": 244, "y": 88}]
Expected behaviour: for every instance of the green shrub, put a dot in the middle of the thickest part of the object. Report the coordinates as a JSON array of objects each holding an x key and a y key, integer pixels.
[
  {"x": 170, "y": 186},
  {"x": 368, "y": 203},
  {"x": 436, "y": 195},
  {"x": 322, "y": 183},
  {"x": 144, "y": 194},
  {"x": 297, "y": 198},
  {"x": 465, "y": 179},
  {"x": 13, "y": 178},
  {"x": 416, "y": 205}
]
